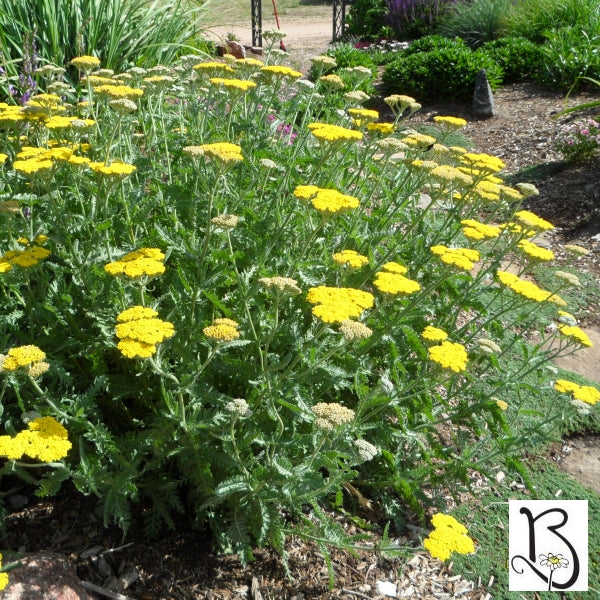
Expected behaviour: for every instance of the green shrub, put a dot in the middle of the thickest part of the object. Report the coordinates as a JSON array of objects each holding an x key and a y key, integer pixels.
[
  {"x": 445, "y": 74},
  {"x": 433, "y": 43},
  {"x": 120, "y": 32},
  {"x": 475, "y": 22},
  {"x": 569, "y": 55},
  {"x": 366, "y": 19},
  {"x": 519, "y": 58},
  {"x": 346, "y": 55}
]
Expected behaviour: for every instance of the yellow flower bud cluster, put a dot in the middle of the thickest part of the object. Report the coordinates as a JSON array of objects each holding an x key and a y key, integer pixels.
[
  {"x": 447, "y": 537},
  {"x": 366, "y": 450},
  {"x": 225, "y": 221},
  {"x": 212, "y": 68},
  {"x": 145, "y": 262},
  {"x": 585, "y": 393},
  {"x": 331, "y": 415},
  {"x": 139, "y": 331},
  {"x": 239, "y": 407},
  {"x": 280, "y": 285},
  {"x": 222, "y": 330},
  {"x": 354, "y": 330},
  {"x": 334, "y": 305},
  {"x": 45, "y": 440}
]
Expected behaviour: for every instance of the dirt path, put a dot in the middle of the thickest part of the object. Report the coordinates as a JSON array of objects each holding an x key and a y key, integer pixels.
[{"x": 305, "y": 38}]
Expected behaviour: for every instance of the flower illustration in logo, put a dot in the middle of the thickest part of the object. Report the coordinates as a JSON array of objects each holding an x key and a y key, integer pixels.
[{"x": 553, "y": 562}]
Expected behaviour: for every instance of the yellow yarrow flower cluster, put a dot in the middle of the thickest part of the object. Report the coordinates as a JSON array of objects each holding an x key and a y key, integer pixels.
[
  {"x": 585, "y": 393},
  {"x": 236, "y": 85},
  {"x": 447, "y": 173},
  {"x": 447, "y": 537},
  {"x": 85, "y": 62},
  {"x": 363, "y": 116},
  {"x": 475, "y": 230},
  {"x": 45, "y": 440},
  {"x": 115, "y": 170},
  {"x": 381, "y": 128},
  {"x": 327, "y": 133},
  {"x": 332, "y": 83},
  {"x": 212, "y": 68},
  {"x": 273, "y": 71},
  {"x": 331, "y": 415},
  {"x": 434, "y": 334},
  {"x": 145, "y": 262},
  {"x": 484, "y": 162},
  {"x": 350, "y": 258},
  {"x": 390, "y": 281},
  {"x": 463, "y": 258},
  {"x": 224, "y": 152},
  {"x": 528, "y": 289},
  {"x": 3, "y": 576},
  {"x": 419, "y": 140},
  {"x": 535, "y": 252},
  {"x": 139, "y": 331},
  {"x": 222, "y": 330},
  {"x": 22, "y": 357},
  {"x": 26, "y": 258},
  {"x": 115, "y": 92},
  {"x": 532, "y": 221},
  {"x": 450, "y": 356},
  {"x": 326, "y": 200},
  {"x": 451, "y": 123},
  {"x": 334, "y": 305},
  {"x": 576, "y": 334}
]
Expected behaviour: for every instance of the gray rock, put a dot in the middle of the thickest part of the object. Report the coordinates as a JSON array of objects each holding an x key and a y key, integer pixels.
[
  {"x": 483, "y": 98},
  {"x": 44, "y": 576}
]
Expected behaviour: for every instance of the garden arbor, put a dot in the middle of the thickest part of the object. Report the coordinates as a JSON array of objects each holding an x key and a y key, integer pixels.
[{"x": 339, "y": 18}]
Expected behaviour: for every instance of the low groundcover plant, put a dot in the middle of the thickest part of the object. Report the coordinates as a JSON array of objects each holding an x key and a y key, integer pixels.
[{"x": 235, "y": 323}]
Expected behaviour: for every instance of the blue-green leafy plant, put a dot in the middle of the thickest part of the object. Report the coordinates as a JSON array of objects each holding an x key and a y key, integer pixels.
[{"x": 234, "y": 294}]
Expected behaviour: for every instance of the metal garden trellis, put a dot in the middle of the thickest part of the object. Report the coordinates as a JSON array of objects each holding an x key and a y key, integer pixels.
[{"x": 339, "y": 18}]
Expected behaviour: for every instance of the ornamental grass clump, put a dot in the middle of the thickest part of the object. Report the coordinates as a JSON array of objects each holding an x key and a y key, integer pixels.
[{"x": 235, "y": 329}]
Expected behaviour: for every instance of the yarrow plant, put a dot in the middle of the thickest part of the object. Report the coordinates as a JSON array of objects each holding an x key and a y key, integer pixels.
[{"x": 204, "y": 318}]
